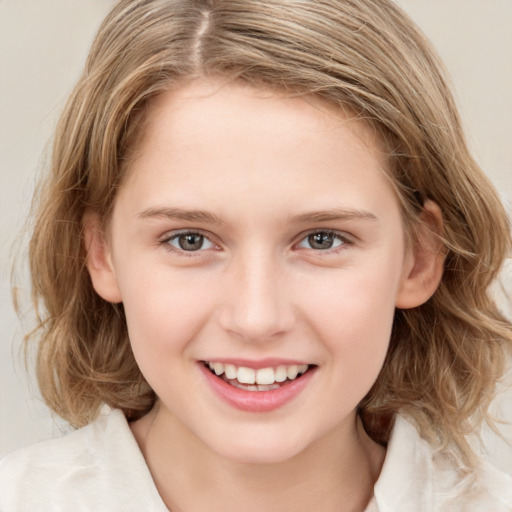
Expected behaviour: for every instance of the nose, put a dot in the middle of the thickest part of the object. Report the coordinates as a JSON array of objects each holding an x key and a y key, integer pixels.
[{"x": 256, "y": 306}]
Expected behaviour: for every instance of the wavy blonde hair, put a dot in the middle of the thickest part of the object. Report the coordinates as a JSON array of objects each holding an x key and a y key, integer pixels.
[{"x": 362, "y": 55}]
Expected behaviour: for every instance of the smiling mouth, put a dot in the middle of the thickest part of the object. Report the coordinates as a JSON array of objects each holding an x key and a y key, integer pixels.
[{"x": 262, "y": 379}]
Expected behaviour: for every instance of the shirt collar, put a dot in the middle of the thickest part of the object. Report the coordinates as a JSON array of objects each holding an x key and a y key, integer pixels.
[{"x": 406, "y": 480}]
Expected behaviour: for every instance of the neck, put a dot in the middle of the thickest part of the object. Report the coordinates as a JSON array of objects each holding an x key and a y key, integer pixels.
[{"x": 336, "y": 473}]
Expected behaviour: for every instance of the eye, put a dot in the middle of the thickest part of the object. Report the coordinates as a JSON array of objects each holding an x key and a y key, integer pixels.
[
  {"x": 189, "y": 242},
  {"x": 322, "y": 241}
]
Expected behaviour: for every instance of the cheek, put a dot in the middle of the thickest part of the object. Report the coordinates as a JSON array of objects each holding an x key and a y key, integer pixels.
[
  {"x": 353, "y": 316},
  {"x": 164, "y": 312}
]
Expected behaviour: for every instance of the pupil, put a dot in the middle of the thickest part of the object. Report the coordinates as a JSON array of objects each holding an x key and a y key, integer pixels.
[
  {"x": 321, "y": 240},
  {"x": 191, "y": 242}
]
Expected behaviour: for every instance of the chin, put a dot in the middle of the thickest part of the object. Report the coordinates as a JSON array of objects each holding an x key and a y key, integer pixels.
[{"x": 253, "y": 449}]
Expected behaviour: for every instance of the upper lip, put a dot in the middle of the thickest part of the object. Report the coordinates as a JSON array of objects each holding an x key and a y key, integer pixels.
[{"x": 257, "y": 364}]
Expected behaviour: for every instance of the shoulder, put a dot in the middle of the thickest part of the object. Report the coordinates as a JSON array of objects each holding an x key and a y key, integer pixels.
[
  {"x": 417, "y": 477},
  {"x": 492, "y": 487},
  {"x": 98, "y": 467}
]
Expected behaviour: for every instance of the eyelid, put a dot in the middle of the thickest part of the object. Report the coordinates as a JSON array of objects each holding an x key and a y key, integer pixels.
[
  {"x": 169, "y": 235},
  {"x": 345, "y": 237},
  {"x": 184, "y": 231},
  {"x": 342, "y": 235}
]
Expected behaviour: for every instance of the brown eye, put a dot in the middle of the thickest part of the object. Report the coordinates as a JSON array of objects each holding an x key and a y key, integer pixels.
[{"x": 190, "y": 242}]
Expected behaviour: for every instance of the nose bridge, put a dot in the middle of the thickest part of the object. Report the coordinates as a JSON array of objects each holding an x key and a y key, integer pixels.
[{"x": 257, "y": 306}]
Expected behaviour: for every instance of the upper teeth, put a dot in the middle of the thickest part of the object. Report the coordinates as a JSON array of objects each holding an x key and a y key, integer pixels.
[{"x": 268, "y": 375}]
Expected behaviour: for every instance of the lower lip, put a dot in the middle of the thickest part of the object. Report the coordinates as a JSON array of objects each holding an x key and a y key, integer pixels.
[{"x": 256, "y": 401}]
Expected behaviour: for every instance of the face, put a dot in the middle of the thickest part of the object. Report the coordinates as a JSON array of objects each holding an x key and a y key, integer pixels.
[{"x": 255, "y": 239}]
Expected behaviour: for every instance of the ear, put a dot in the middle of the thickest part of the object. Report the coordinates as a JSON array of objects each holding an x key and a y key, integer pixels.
[
  {"x": 424, "y": 262},
  {"x": 99, "y": 262}
]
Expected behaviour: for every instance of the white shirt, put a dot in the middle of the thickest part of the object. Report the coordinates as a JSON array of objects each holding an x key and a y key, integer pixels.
[{"x": 101, "y": 468}]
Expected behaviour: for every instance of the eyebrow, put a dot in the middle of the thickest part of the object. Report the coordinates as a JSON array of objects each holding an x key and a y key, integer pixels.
[
  {"x": 333, "y": 215},
  {"x": 181, "y": 214}
]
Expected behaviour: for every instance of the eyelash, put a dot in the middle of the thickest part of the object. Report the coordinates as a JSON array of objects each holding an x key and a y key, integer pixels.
[
  {"x": 341, "y": 237},
  {"x": 343, "y": 240},
  {"x": 166, "y": 241}
]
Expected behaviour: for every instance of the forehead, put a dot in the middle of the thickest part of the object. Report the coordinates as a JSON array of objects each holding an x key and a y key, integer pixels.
[
  {"x": 219, "y": 99},
  {"x": 217, "y": 139},
  {"x": 202, "y": 109}
]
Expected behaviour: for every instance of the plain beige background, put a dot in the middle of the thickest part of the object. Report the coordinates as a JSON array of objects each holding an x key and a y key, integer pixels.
[{"x": 43, "y": 45}]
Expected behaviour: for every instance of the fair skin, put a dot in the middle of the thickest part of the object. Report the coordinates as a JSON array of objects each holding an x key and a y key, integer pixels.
[{"x": 296, "y": 258}]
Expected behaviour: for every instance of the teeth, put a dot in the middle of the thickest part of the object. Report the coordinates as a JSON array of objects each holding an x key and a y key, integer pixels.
[
  {"x": 262, "y": 379},
  {"x": 254, "y": 387},
  {"x": 245, "y": 375},
  {"x": 280, "y": 374},
  {"x": 218, "y": 368},
  {"x": 292, "y": 371},
  {"x": 230, "y": 371},
  {"x": 265, "y": 376}
]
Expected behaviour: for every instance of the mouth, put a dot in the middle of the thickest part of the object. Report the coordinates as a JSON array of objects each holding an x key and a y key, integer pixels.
[{"x": 261, "y": 379}]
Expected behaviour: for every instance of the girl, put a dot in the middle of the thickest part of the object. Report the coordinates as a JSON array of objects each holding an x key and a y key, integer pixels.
[{"x": 264, "y": 246}]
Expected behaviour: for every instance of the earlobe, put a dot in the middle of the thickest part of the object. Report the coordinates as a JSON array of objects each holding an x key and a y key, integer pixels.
[
  {"x": 98, "y": 262},
  {"x": 424, "y": 264}
]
